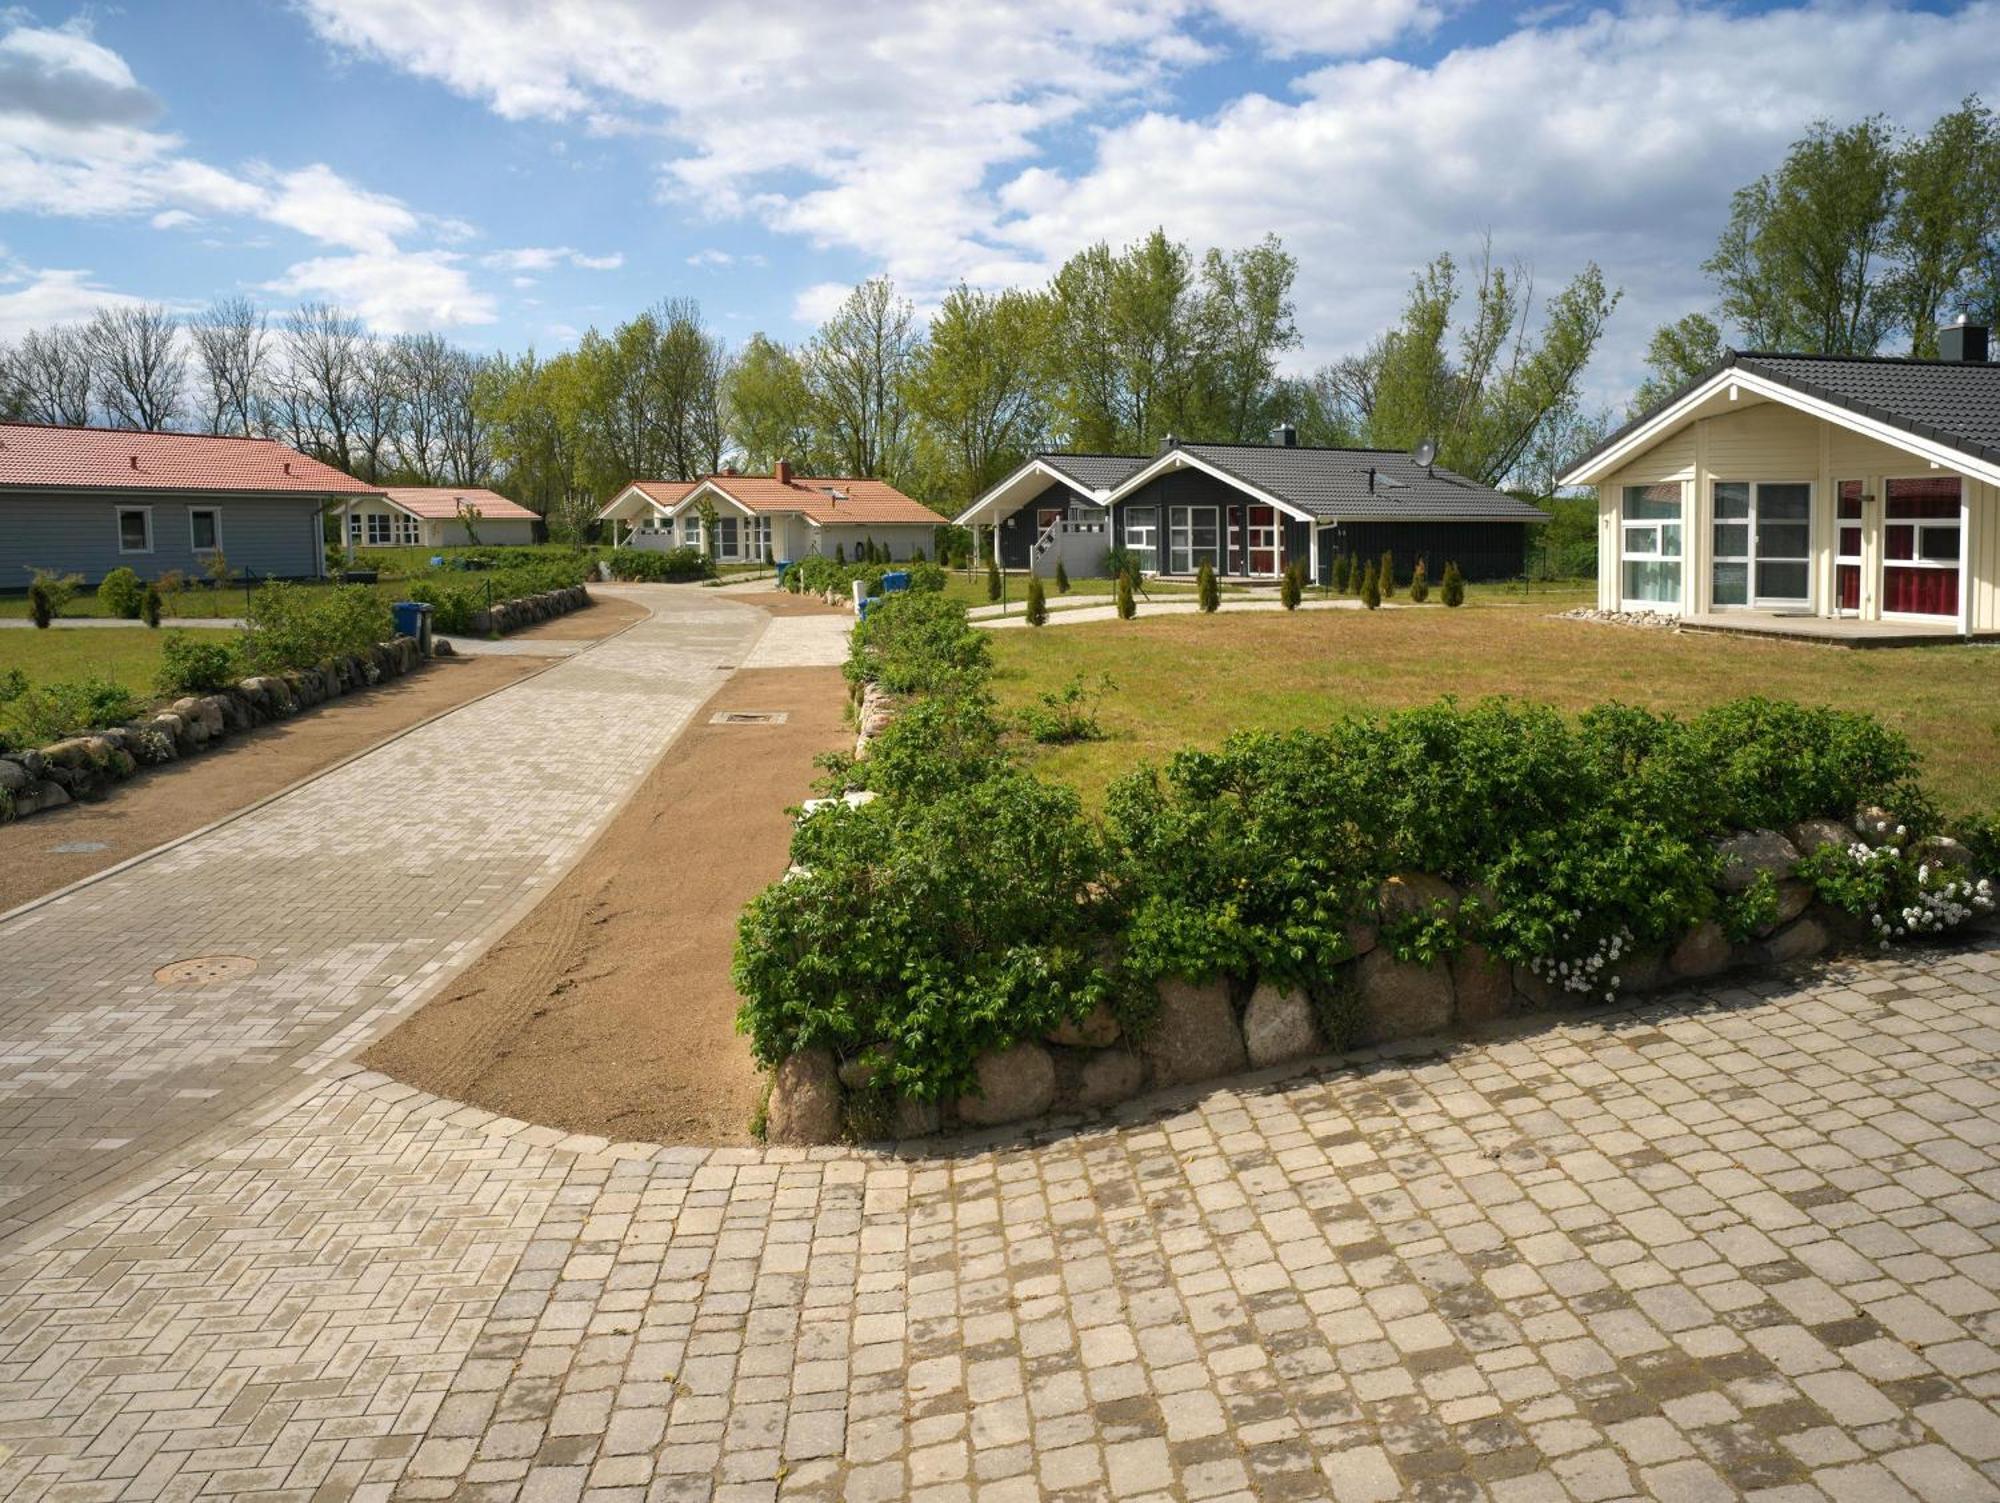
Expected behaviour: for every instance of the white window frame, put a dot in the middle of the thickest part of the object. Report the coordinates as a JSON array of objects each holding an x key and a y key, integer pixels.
[
  {"x": 1150, "y": 528},
  {"x": 354, "y": 528},
  {"x": 760, "y": 538},
  {"x": 1180, "y": 539},
  {"x": 146, "y": 513},
  {"x": 1629, "y": 526},
  {"x": 194, "y": 547},
  {"x": 382, "y": 521},
  {"x": 409, "y": 530},
  {"x": 1752, "y": 599},
  {"x": 690, "y": 530},
  {"x": 1917, "y": 561},
  {"x": 1272, "y": 532}
]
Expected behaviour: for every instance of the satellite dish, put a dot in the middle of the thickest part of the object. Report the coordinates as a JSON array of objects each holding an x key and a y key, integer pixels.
[{"x": 1425, "y": 452}]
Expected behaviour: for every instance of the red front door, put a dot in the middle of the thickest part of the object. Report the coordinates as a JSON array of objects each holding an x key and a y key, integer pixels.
[{"x": 1263, "y": 540}]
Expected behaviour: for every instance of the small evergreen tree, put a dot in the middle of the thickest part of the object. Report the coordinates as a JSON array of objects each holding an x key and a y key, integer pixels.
[
  {"x": 149, "y": 608},
  {"x": 1385, "y": 581},
  {"x": 1207, "y": 595},
  {"x": 1420, "y": 587},
  {"x": 1038, "y": 602},
  {"x": 916, "y": 555},
  {"x": 1127, "y": 607},
  {"x": 1371, "y": 589},
  {"x": 993, "y": 581},
  {"x": 1062, "y": 578},
  {"x": 1340, "y": 568},
  {"x": 1354, "y": 573},
  {"x": 840, "y": 553},
  {"x": 1454, "y": 586},
  {"x": 1289, "y": 591}
]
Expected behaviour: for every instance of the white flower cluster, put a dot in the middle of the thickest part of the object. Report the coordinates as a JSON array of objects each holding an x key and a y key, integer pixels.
[
  {"x": 1937, "y": 908},
  {"x": 152, "y": 746},
  {"x": 1585, "y": 975}
]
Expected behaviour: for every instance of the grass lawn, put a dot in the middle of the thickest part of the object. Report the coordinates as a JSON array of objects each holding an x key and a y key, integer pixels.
[
  {"x": 1191, "y": 680},
  {"x": 126, "y": 655}
]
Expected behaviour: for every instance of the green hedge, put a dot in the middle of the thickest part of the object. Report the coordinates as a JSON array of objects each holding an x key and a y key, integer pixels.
[
  {"x": 969, "y": 906},
  {"x": 817, "y": 575},
  {"x": 298, "y": 626},
  {"x": 456, "y": 596},
  {"x": 669, "y": 566}
]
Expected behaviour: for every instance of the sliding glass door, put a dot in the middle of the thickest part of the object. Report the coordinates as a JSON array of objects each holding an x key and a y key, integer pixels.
[
  {"x": 1193, "y": 535},
  {"x": 1762, "y": 545}
]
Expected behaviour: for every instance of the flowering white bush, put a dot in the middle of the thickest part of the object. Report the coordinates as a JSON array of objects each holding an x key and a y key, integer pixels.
[
  {"x": 1900, "y": 894},
  {"x": 1584, "y": 973}
]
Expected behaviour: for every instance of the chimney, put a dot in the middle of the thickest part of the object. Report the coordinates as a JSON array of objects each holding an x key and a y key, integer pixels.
[
  {"x": 1285, "y": 436},
  {"x": 1169, "y": 442},
  {"x": 1963, "y": 343},
  {"x": 729, "y": 469},
  {"x": 782, "y": 472},
  {"x": 135, "y": 461}
]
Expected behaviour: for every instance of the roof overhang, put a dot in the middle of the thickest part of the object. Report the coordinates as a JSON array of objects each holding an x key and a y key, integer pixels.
[
  {"x": 1021, "y": 487},
  {"x": 630, "y": 502},
  {"x": 1727, "y": 385},
  {"x": 1181, "y": 459}
]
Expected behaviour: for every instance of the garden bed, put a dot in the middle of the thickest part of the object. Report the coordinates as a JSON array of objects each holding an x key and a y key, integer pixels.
[{"x": 958, "y": 943}]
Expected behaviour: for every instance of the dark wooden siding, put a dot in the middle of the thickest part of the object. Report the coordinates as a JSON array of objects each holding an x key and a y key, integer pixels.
[
  {"x": 1019, "y": 529},
  {"x": 1482, "y": 550},
  {"x": 1192, "y": 487},
  {"x": 78, "y": 533}
]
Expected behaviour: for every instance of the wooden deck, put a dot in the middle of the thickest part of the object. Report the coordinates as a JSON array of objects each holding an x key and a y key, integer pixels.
[{"x": 1831, "y": 631}]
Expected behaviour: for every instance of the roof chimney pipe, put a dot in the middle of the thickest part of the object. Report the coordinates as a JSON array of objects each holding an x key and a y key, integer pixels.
[
  {"x": 1285, "y": 436},
  {"x": 782, "y": 472},
  {"x": 1169, "y": 442},
  {"x": 1963, "y": 343}
]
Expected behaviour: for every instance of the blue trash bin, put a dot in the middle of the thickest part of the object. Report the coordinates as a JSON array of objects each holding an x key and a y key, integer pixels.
[
  {"x": 894, "y": 580},
  {"x": 413, "y": 619},
  {"x": 784, "y": 568}
]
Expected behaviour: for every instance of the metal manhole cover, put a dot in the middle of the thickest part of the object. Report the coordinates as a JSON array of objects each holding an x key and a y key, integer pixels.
[
  {"x": 749, "y": 717},
  {"x": 204, "y": 970}
]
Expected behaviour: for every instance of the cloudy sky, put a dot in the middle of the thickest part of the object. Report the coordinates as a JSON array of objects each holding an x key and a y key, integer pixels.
[{"x": 512, "y": 171}]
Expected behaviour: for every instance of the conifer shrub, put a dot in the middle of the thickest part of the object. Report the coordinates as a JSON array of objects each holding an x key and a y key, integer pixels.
[
  {"x": 1420, "y": 586},
  {"x": 993, "y": 581},
  {"x": 1207, "y": 594},
  {"x": 1038, "y": 602},
  {"x": 1340, "y": 573},
  {"x": 1290, "y": 591},
  {"x": 1454, "y": 586},
  {"x": 840, "y": 553},
  {"x": 1062, "y": 578},
  {"x": 1371, "y": 589},
  {"x": 149, "y": 608},
  {"x": 1127, "y": 607},
  {"x": 1385, "y": 580}
]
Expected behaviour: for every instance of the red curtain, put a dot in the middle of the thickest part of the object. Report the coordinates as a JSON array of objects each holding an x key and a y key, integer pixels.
[
  {"x": 1920, "y": 592},
  {"x": 1848, "y": 577}
]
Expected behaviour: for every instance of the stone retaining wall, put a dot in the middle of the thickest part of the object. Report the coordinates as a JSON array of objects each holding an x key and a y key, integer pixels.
[
  {"x": 84, "y": 766},
  {"x": 504, "y": 616}
]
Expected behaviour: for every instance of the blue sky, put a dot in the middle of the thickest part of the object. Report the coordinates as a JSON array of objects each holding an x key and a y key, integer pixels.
[{"x": 511, "y": 172}]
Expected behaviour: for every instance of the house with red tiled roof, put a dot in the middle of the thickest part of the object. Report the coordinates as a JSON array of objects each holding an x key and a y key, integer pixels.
[
  {"x": 90, "y": 500},
  {"x": 435, "y": 516},
  {"x": 782, "y": 516}
]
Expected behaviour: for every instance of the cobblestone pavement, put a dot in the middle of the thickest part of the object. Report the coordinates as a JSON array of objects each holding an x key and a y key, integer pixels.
[
  {"x": 1734, "y": 1245},
  {"x": 351, "y": 895}
]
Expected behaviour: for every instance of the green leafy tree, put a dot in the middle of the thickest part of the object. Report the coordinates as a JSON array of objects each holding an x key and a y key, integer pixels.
[
  {"x": 1801, "y": 262},
  {"x": 1677, "y": 355},
  {"x": 1207, "y": 595},
  {"x": 1454, "y": 586},
  {"x": 857, "y": 366},
  {"x": 770, "y": 407},
  {"x": 1946, "y": 227},
  {"x": 1038, "y": 602},
  {"x": 976, "y": 389},
  {"x": 711, "y": 520},
  {"x": 1127, "y": 606}
]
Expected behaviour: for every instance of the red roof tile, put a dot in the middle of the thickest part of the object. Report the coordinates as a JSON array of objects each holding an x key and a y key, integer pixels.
[
  {"x": 440, "y": 503},
  {"x": 115, "y": 459},
  {"x": 823, "y": 499}
]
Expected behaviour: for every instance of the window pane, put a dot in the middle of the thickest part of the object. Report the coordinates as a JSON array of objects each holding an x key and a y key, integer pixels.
[
  {"x": 204, "y": 529},
  {"x": 1670, "y": 540},
  {"x": 1732, "y": 539},
  {"x": 1732, "y": 584},
  {"x": 131, "y": 531},
  {"x": 1938, "y": 544},
  {"x": 1732, "y": 498},
  {"x": 1899, "y": 542},
  {"x": 1654, "y": 583},
  {"x": 1933, "y": 496},
  {"x": 1783, "y": 539},
  {"x": 1920, "y": 592},
  {"x": 1781, "y": 581},
  {"x": 1645, "y": 503},
  {"x": 1850, "y": 542},
  {"x": 1850, "y": 498},
  {"x": 1645, "y": 540},
  {"x": 1788, "y": 503}
]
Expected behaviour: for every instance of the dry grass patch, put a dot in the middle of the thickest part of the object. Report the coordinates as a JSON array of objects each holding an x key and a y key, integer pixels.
[{"x": 1191, "y": 680}]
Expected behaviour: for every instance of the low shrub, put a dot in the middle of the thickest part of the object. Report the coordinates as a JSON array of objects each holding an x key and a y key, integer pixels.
[
  {"x": 149, "y": 608},
  {"x": 670, "y": 566},
  {"x": 1895, "y": 889},
  {"x": 1371, "y": 587},
  {"x": 1068, "y": 714},
  {"x": 69, "y": 707},
  {"x": 121, "y": 594},
  {"x": 919, "y": 644},
  {"x": 13, "y": 684},
  {"x": 1062, "y": 578},
  {"x": 197, "y": 662},
  {"x": 1420, "y": 584},
  {"x": 1038, "y": 602},
  {"x": 1454, "y": 586},
  {"x": 456, "y": 596},
  {"x": 1127, "y": 606},
  {"x": 301, "y": 626},
  {"x": 1208, "y": 595},
  {"x": 1290, "y": 591}
]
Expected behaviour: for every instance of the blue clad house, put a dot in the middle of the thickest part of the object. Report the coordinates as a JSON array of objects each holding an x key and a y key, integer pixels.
[{"x": 90, "y": 500}]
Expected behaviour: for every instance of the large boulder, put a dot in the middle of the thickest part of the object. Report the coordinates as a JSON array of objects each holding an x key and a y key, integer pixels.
[
  {"x": 1482, "y": 984},
  {"x": 858, "y": 1072},
  {"x": 1400, "y": 999},
  {"x": 39, "y": 796},
  {"x": 1361, "y": 938},
  {"x": 1800, "y": 940},
  {"x": 1877, "y": 825},
  {"x": 1413, "y": 895},
  {"x": 1096, "y": 1030},
  {"x": 1794, "y": 898},
  {"x": 1703, "y": 951},
  {"x": 1278, "y": 1027},
  {"x": 1108, "y": 1077},
  {"x": 13, "y": 776},
  {"x": 1011, "y": 1085},
  {"x": 1942, "y": 850},
  {"x": 1750, "y": 853},
  {"x": 1195, "y": 1036},
  {"x": 916, "y": 1119},
  {"x": 805, "y": 1106},
  {"x": 1809, "y": 835}
]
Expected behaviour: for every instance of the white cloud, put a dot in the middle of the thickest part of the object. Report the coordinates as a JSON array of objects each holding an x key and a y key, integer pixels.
[
  {"x": 548, "y": 257},
  {"x": 394, "y": 292},
  {"x": 712, "y": 256},
  {"x": 1333, "y": 28},
  {"x": 174, "y": 219},
  {"x": 38, "y": 299}
]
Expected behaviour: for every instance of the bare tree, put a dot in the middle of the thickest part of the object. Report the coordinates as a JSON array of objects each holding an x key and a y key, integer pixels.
[
  {"x": 466, "y": 423},
  {"x": 13, "y": 392},
  {"x": 424, "y": 375},
  {"x": 139, "y": 363},
  {"x": 231, "y": 341},
  {"x": 322, "y": 370},
  {"x": 52, "y": 370},
  {"x": 378, "y": 408}
]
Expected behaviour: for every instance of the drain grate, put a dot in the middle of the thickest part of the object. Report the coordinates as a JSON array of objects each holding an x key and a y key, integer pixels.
[
  {"x": 749, "y": 717},
  {"x": 204, "y": 970},
  {"x": 79, "y": 847}
]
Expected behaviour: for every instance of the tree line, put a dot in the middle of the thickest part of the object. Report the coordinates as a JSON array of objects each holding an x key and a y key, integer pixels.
[
  {"x": 1119, "y": 349},
  {"x": 1864, "y": 241}
]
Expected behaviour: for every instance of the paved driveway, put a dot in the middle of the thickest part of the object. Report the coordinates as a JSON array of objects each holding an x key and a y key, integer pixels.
[{"x": 1741, "y": 1244}]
